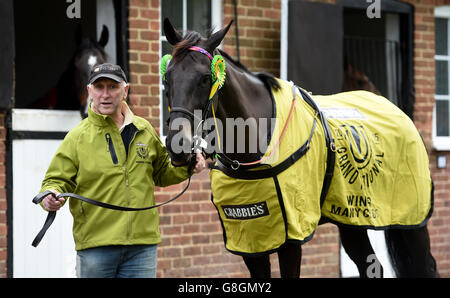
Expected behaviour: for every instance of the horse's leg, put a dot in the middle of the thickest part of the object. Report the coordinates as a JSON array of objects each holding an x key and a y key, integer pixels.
[
  {"x": 289, "y": 258},
  {"x": 410, "y": 252},
  {"x": 259, "y": 267},
  {"x": 357, "y": 245}
]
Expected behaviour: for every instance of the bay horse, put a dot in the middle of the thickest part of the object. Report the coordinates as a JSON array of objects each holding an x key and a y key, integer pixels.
[
  {"x": 248, "y": 95},
  {"x": 355, "y": 79},
  {"x": 70, "y": 92}
]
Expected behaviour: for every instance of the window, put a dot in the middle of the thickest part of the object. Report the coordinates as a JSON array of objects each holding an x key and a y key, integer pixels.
[
  {"x": 198, "y": 15},
  {"x": 441, "y": 123}
]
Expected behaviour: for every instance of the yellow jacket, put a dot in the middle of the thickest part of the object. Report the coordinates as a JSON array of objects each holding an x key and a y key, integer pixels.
[{"x": 92, "y": 162}]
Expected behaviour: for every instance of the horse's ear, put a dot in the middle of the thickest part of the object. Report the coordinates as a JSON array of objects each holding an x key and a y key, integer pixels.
[
  {"x": 104, "y": 37},
  {"x": 215, "y": 39},
  {"x": 173, "y": 37}
]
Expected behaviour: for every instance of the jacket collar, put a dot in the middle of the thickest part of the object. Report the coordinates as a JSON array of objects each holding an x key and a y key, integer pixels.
[
  {"x": 106, "y": 120},
  {"x": 128, "y": 116}
]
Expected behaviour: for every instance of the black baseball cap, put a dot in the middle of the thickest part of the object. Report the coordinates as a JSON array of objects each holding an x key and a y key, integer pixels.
[{"x": 107, "y": 70}]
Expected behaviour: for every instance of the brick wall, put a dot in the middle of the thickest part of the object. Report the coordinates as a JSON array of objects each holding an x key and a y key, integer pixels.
[
  {"x": 259, "y": 33},
  {"x": 192, "y": 237},
  {"x": 424, "y": 83}
]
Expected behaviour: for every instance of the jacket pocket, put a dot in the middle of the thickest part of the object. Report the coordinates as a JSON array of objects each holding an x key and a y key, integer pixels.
[{"x": 112, "y": 151}]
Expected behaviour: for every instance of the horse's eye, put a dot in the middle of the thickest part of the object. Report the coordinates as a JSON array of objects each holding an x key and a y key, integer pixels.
[{"x": 206, "y": 79}]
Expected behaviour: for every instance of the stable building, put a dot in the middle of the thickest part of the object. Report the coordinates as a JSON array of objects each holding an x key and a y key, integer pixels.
[{"x": 399, "y": 49}]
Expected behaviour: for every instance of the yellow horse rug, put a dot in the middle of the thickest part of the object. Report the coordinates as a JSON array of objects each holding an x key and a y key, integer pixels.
[{"x": 370, "y": 148}]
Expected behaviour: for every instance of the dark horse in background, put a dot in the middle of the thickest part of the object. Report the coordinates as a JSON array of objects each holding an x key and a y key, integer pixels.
[
  {"x": 245, "y": 95},
  {"x": 70, "y": 91},
  {"x": 355, "y": 79}
]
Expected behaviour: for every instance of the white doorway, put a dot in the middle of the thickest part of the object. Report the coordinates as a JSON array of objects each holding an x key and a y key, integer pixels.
[{"x": 35, "y": 140}]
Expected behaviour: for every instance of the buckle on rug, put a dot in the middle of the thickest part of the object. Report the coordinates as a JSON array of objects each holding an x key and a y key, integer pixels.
[
  {"x": 235, "y": 165},
  {"x": 333, "y": 146}
]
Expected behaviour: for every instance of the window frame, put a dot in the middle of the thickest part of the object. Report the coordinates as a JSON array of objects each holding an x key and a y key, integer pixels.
[
  {"x": 216, "y": 23},
  {"x": 442, "y": 143}
]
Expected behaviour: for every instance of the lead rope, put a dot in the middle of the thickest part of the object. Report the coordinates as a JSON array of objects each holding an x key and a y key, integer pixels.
[{"x": 52, "y": 214}]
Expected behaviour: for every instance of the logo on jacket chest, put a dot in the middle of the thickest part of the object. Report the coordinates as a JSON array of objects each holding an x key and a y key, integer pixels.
[{"x": 142, "y": 152}]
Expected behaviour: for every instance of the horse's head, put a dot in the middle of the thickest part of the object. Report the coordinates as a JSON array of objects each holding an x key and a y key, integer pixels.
[
  {"x": 355, "y": 79},
  {"x": 89, "y": 53},
  {"x": 188, "y": 79}
]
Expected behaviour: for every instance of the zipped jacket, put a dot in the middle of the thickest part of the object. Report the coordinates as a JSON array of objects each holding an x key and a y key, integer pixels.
[{"x": 92, "y": 161}]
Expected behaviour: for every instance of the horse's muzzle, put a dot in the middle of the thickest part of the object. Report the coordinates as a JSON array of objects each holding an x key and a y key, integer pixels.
[
  {"x": 180, "y": 148},
  {"x": 181, "y": 160}
]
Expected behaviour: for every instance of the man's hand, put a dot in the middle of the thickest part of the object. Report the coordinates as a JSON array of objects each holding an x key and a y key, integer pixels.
[
  {"x": 50, "y": 203},
  {"x": 200, "y": 164}
]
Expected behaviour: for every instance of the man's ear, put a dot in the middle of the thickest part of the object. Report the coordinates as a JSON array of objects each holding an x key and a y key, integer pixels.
[{"x": 127, "y": 88}]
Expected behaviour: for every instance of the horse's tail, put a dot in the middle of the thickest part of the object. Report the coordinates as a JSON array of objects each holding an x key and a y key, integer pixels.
[
  {"x": 410, "y": 252},
  {"x": 396, "y": 248}
]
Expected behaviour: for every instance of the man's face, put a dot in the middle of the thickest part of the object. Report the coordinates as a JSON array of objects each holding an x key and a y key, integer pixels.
[{"x": 107, "y": 95}]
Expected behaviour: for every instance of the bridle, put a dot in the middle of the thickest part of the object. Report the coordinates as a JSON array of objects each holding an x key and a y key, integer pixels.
[
  {"x": 240, "y": 170},
  {"x": 221, "y": 156},
  {"x": 198, "y": 142}
]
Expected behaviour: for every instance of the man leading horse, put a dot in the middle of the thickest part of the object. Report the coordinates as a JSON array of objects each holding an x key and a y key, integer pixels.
[{"x": 115, "y": 157}]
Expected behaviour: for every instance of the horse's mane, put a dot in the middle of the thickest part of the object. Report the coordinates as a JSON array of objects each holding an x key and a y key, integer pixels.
[
  {"x": 193, "y": 38},
  {"x": 180, "y": 50},
  {"x": 268, "y": 79}
]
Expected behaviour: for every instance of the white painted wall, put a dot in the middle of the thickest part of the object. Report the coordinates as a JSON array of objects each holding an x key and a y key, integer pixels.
[
  {"x": 55, "y": 255},
  {"x": 105, "y": 16}
]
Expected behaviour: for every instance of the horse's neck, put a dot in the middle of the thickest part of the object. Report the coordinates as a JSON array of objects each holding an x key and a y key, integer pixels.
[{"x": 244, "y": 97}]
